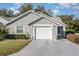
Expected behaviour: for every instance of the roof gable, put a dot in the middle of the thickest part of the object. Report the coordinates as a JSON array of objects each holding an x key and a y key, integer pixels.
[
  {"x": 54, "y": 19},
  {"x": 2, "y": 20},
  {"x": 39, "y": 14}
]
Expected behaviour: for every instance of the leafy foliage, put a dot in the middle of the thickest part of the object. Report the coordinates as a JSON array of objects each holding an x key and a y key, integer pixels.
[
  {"x": 25, "y": 7},
  {"x": 68, "y": 19},
  {"x": 3, "y": 32},
  {"x": 71, "y": 23},
  {"x": 69, "y": 31},
  {"x": 43, "y": 10},
  {"x": 6, "y": 12},
  {"x": 16, "y": 36}
]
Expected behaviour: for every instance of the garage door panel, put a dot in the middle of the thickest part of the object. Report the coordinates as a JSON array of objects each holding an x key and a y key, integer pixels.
[{"x": 43, "y": 33}]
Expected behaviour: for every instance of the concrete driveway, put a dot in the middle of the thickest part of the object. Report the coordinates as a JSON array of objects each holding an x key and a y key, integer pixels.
[{"x": 49, "y": 48}]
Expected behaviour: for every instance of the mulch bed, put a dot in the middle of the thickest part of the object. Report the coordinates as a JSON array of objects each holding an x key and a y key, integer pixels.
[{"x": 73, "y": 37}]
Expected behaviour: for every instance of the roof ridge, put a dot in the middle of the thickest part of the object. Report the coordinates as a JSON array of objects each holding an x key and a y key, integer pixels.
[
  {"x": 3, "y": 20},
  {"x": 41, "y": 15},
  {"x": 50, "y": 17},
  {"x": 19, "y": 16}
]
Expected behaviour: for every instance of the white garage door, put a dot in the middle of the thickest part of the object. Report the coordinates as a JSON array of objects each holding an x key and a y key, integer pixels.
[{"x": 44, "y": 32}]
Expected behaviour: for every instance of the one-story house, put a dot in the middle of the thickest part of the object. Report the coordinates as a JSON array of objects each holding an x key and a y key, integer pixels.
[
  {"x": 3, "y": 22},
  {"x": 37, "y": 25}
]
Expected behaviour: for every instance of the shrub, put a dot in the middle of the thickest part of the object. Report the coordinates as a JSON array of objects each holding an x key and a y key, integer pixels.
[
  {"x": 3, "y": 33},
  {"x": 77, "y": 31},
  {"x": 69, "y": 31},
  {"x": 16, "y": 36}
]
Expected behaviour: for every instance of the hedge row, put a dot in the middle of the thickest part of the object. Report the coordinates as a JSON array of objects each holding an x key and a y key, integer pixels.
[
  {"x": 16, "y": 36},
  {"x": 69, "y": 31}
]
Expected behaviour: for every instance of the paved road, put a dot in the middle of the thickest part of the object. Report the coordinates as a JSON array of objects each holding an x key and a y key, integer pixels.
[{"x": 49, "y": 48}]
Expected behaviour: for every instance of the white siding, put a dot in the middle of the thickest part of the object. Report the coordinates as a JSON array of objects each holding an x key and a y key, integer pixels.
[
  {"x": 30, "y": 28},
  {"x": 4, "y": 21},
  {"x": 44, "y": 22},
  {"x": 22, "y": 22}
]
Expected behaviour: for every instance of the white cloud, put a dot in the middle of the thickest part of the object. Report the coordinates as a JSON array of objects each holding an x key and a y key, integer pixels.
[
  {"x": 17, "y": 5},
  {"x": 14, "y": 9},
  {"x": 74, "y": 3},
  {"x": 67, "y": 5},
  {"x": 76, "y": 8},
  {"x": 57, "y": 6},
  {"x": 55, "y": 12}
]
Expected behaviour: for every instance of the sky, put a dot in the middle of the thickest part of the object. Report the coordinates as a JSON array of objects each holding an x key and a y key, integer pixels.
[{"x": 57, "y": 8}]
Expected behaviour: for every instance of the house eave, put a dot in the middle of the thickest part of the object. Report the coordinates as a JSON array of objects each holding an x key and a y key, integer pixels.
[{"x": 31, "y": 11}]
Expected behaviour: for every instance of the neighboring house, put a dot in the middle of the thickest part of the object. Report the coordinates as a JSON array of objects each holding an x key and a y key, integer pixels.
[
  {"x": 3, "y": 22},
  {"x": 37, "y": 25}
]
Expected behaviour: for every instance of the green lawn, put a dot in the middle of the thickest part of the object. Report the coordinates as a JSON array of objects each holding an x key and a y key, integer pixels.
[{"x": 11, "y": 46}]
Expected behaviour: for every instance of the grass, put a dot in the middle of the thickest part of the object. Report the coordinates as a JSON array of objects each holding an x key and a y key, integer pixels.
[{"x": 11, "y": 46}]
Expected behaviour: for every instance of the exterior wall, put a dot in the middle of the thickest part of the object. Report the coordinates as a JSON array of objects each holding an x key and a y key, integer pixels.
[
  {"x": 43, "y": 22},
  {"x": 30, "y": 28},
  {"x": 22, "y": 22},
  {"x": 64, "y": 31},
  {"x": 4, "y": 21}
]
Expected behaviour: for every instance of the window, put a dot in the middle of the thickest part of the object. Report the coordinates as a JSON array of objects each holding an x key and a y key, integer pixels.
[
  {"x": 60, "y": 30},
  {"x": 19, "y": 29}
]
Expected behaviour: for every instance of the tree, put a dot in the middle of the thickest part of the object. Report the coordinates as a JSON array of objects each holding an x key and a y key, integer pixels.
[
  {"x": 10, "y": 13},
  {"x": 67, "y": 19},
  {"x": 3, "y": 33},
  {"x": 43, "y": 10},
  {"x": 49, "y": 12},
  {"x": 4, "y": 12},
  {"x": 39, "y": 8},
  {"x": 71, "y": 24},
  {"x": 25, "y": 7},
  {"x": 76, "y": 25},
  {"x": 0, "y": 11}
]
